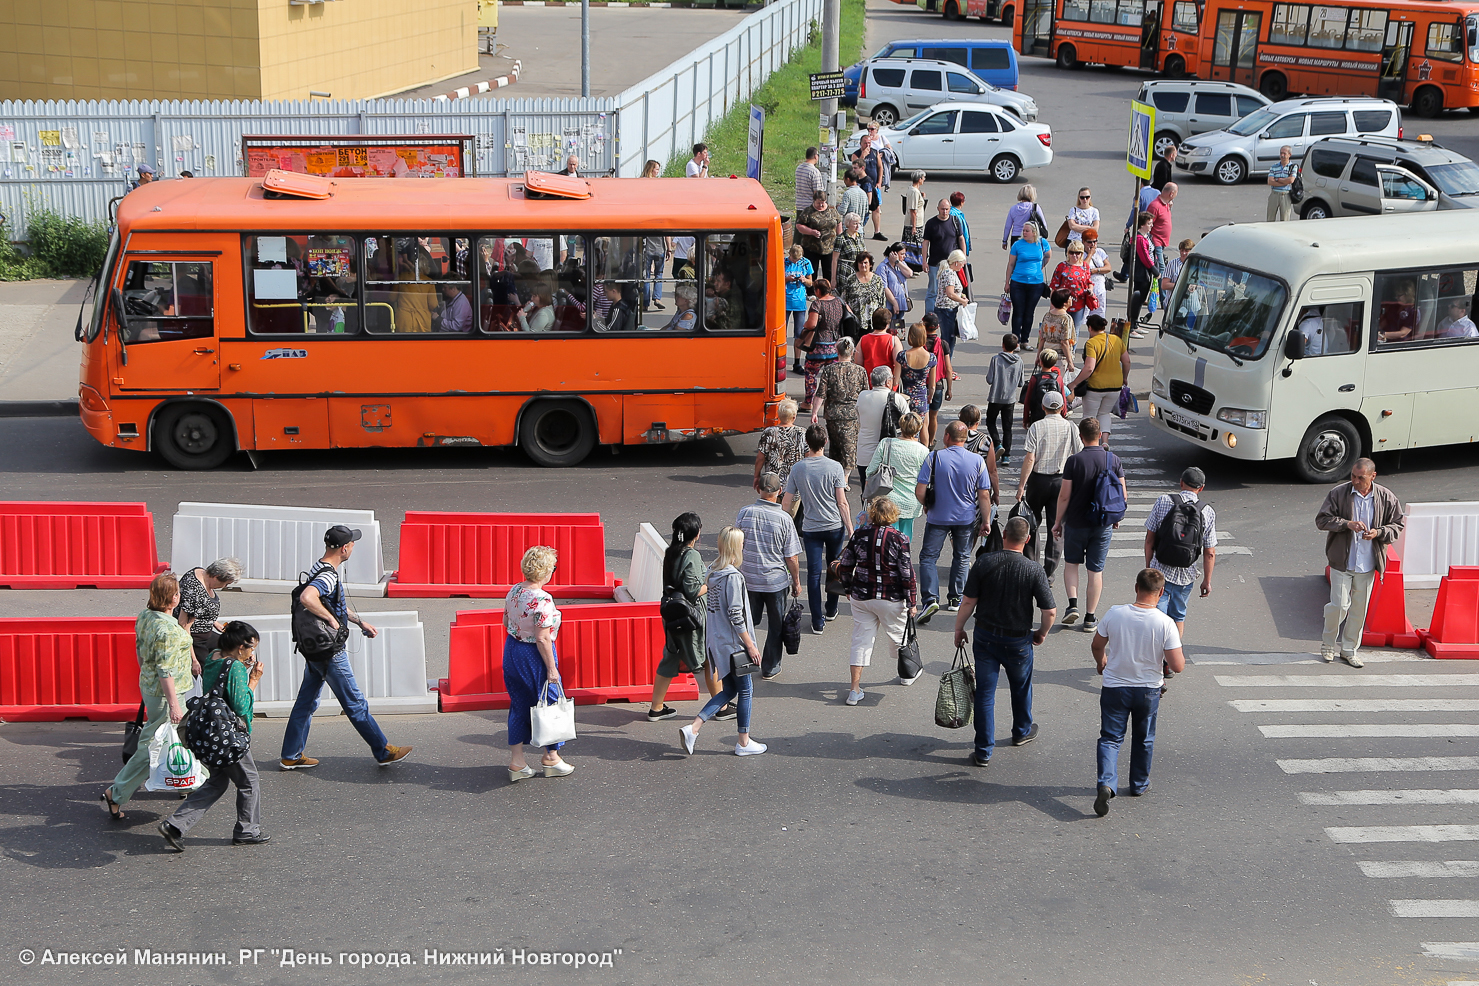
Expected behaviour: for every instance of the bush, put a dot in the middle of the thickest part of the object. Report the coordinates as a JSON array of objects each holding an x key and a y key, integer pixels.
[{"x": 65, "y": 246}]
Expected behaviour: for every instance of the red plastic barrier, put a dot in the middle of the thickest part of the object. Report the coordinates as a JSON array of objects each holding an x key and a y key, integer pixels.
[
  {"x": 1455, "y": 629},
  {"x": 466, "y": 554},
  {"x": 1386, "y": 616},
  {"x": 73, "y": 545},
  {"x": 68, "y": 668},
  {"x": 1463, "y": 572},
  {"x": 607, "y": 652}
]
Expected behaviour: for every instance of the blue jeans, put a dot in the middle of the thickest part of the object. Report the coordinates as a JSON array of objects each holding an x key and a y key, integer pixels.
[
  {"x": 651, "y": 289},
  {"x": 961, "y": 536},
  {"x": 1173, "y": 600},
  {"x": 822, "y": 549},
  {"x": 734, "y": 685},
  {"x": 1087, "y": 546},
  {"x": 340, "y": 678},
  {"x": 994, "y": 654},
  {"x": 949, "y": 329},
  {"x": 929, "y": 292},
  {"x": 1117, "y": 706},
  {"x": 1025, "y": 298}
]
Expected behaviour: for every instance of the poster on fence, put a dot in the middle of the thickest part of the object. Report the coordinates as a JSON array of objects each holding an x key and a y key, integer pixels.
[{"x": 360, "y": 157}]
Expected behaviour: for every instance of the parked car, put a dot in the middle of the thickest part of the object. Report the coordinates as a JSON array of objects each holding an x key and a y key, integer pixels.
[
  {"x": 1360, "y": 176},
  {"x": 994, "y": 61},
  {"x": 1251, "y": 146},
  {"x": 894, "y": 88},
  {"x": 1187, "y": 107},
  {"x": 967, "y": 136}
]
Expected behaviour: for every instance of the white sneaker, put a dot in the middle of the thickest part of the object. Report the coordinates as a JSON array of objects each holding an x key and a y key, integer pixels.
[
  {"x": 753, "y": 749},
  {"x": 910, "y": 681},
  {"x": 1327, "y": 654},
  {"x": 854, "y": 697},
  {"x": 687, "y": 737}
]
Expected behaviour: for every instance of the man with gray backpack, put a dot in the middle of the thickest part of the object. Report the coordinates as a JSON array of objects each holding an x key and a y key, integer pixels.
[{"x": 1179, "y": 531}]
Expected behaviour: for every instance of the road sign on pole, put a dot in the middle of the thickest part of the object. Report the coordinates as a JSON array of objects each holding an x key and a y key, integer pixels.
[
  {"x": 1142, "y": 129},
  {"x": 756, "y": 143}
]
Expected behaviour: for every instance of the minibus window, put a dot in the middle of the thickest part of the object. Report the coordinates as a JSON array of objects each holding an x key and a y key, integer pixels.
[
  {"x": 417, "y": 284},
  {"x": 1426, "y": 306},
  {"x": 734, "y": 286},
  {"x": 1330, "y": 330},
  {"x": 100, "y": 293},
  {"x": 1226, "y": 308},
  {"x": 534, "y": 283},
  {"x": 645, "y": 282},
  {"x": 167, "y": 300},
  {"x": 302, "y": 283}
]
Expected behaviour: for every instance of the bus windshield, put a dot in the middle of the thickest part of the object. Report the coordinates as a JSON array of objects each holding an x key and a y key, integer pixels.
[
  {"x": 1253, "y": 122},
  {"x": 100, "y": 290},
  {"x": 1471, "y": 37},
  {"x": 1460, "y": 178},
  {"x": 1225, "y": 308}
]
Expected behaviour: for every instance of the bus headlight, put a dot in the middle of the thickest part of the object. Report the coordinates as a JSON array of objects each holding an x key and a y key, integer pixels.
[
  {"x": 1158, "y": 388},
  {"x": 1239, "y": 416}
]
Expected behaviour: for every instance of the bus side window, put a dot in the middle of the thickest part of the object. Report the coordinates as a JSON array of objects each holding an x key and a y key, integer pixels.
[
  {"x": 1330, "y": 330},
  {"x": 734, "y": 289},
  {"x": 1077, "y": 10},
  {"x": 616, "y": 283},
  {"x": 413, "y": 284},
  {"x": 1102, "y": 11},
  {"x": 275, "y": 284},
  {"x": 1184, "y": 17},
  {"x": 168, "y": 300},
  {"x": 1401, "y": 317},
  {"x": 1445, "y": 41},
  {"x": 330, "y": 291}
]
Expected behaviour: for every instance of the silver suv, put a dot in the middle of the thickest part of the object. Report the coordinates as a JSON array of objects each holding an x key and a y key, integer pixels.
[
  {"x": 1186, "y": 107},
  {"x": 1364, "y": 176},
  {"x": 1251, "y": 146},
  {"x": 894, "y": 89}
]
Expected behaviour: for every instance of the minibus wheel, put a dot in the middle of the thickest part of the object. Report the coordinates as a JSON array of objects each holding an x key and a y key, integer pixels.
[
  {"x": 1328, "y": 451},
  {"x": 557, "y": 433},
  {"x": 193, "y": 436}
]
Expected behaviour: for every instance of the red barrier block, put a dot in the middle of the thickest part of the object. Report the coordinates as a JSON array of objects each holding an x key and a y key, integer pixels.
[
  {"x": 607, "y": 652},
  {"x": 1455, "y": 629},
  {"x": 58, "y": 669},
  {"x": 1386, "y": 615},
  {"x": 1464, "y": 572},
  {"x": 76, "y": 545},
  {"x": 468, "y": 554}
]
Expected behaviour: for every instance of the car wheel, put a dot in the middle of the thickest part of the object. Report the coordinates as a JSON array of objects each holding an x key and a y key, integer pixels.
[
  {"x": 1005, "y": 168},
  {"x": 1427, "y": 101},
  {"x": 1230, "y": 170},
  {"x": 1328, "y": 451},
  {"x": 1175, "y": 67},
  {"x": 1315, "y": 209},
  {"x": 1067, "y": 56},
  {"x": 885, "y": 116},
  {"x": 1274, "y": 86},
  {"x": 952, "y": 11},
  {"x": 1164, "y": 141},
  {"x": 193, "y": 436},
  {"x": 557, "y": 433},
  {"x": 1007, "y": 16}
]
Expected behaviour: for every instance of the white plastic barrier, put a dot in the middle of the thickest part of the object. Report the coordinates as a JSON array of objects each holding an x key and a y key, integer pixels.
[
  {"x": 1437, "y": 536},
  {"x": 644, "y": 581},
  {"x": 390, "y": 669},
  {"x": 275, "y": 543}
]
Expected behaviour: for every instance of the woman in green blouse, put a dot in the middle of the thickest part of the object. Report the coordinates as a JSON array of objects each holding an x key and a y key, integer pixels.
[{"x": 164, "y": 652}]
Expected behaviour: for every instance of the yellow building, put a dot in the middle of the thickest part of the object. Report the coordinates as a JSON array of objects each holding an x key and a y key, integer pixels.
[{"x": 231, "y": 49}]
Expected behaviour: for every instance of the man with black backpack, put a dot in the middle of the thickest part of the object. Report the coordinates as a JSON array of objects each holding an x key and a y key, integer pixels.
[
  {"x": 1179, "y": 530},
  {"x": 1091, "y": 504}
]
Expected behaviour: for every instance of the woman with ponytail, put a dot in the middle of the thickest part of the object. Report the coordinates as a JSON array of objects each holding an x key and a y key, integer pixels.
[{"x": 682, "y": 572}]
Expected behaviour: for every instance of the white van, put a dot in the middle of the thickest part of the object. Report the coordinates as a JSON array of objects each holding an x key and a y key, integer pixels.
[
  {"x": 1321, "y": 342},
  {"x": 1251, "y": 146}
]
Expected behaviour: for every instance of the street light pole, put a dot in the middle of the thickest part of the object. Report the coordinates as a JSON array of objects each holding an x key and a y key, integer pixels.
[
  {"x": 585, "y": 47},
  {"x": 831, "y": 17}
]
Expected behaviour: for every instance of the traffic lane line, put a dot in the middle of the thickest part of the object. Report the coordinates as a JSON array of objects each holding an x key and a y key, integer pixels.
[
  {"x": 1356, "y": 705},
  {"x": 1348, "y": 681},
  {"x": 1396, "y": 869},
  {"x": 1434, "y": 908}
]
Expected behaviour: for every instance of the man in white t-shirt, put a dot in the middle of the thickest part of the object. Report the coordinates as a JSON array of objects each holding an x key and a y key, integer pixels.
[
  {"x": 1132, "y": 644},
  {"x": 698, "y": 165}
]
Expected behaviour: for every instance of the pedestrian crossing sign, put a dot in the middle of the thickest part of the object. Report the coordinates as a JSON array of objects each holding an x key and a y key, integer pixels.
[{"x": 1142, "y": 131}]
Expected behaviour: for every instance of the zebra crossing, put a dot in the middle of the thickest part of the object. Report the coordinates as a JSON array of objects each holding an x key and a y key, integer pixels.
[{"x": 1414, "y": 850}]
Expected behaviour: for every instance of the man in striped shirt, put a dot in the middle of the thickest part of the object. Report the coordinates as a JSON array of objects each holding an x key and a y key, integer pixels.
[
  {"x": 770, "y": 564},
  {"x": 1280, "y": 183},
  {"x": 808, "y": 180}
]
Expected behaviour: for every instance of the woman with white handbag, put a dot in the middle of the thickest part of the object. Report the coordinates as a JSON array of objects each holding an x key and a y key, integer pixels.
[
  {"x": 531, "y": 672},
  {"x": 730, "y": 638}
]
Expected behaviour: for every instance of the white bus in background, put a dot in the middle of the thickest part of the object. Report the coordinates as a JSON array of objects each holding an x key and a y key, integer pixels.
[{"x": 1323, "y": 341}]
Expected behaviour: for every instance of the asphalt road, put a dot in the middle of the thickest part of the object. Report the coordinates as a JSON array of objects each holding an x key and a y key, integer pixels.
[{"x": 863, "y": 848}]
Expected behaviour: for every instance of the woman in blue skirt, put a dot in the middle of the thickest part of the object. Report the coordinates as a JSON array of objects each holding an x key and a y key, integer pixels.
[{"x": 529, "y": 662}]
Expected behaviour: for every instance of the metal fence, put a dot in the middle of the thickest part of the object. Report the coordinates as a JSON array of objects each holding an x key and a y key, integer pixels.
[{"x": 73, "y": 157}]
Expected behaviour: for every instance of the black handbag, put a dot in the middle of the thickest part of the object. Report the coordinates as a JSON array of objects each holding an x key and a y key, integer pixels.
[
  {"x": 929, "y": 488},
  {"x": 679, "y": 613},
  {"x": 740, "y": 663},
  {"x": 910, "y": 666},
  {"x": 131, "y": 731},
  {"x": 212, "y": 730},
  {"x": 791, "y": 628},
  {"x": 839, "y": 581}
]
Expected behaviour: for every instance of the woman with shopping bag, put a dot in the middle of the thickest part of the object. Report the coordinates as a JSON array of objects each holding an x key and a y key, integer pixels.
[
  {"x": 164, "y": 650},
  {"x": 531, "y": 670},
  {"x": 882, "y": 587}
]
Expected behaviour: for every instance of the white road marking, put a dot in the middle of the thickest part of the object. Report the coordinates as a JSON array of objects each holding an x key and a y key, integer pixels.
[
  {"x": 1138, "y": 532},
  {"x": 1403, "y": 833},
  {"x": 1228, "y": 549},
  {"x": 1403, "y": 868},
  {"x": 1352, "y": 730},
  {"x": 1356, "y": 705},
  {"x": 1434, "y": 908},
  {"x": 1451, "y": 949},
  {"x": 1348, "y": 681},
  {"x": 1431, "y": 796},
  {"x": 1238, "y": 660},
  {"x": 1349, "y": 765}
]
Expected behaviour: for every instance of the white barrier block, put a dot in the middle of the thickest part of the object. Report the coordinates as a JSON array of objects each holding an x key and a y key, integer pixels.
[
  {"x": 644, "y": 581},
  {"x": 390, "y": 669},
  {"x": 1436, "y": 537},
  {"x": 275, "y": 543}
]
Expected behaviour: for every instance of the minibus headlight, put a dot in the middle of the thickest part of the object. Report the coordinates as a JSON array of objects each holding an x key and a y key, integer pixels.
[
  {"x": 1239, "y": 416},
  {"x": 1159, "y": 389}
]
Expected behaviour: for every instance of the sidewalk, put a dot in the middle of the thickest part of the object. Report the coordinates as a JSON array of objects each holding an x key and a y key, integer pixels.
[{"x": 38, "y": 355}]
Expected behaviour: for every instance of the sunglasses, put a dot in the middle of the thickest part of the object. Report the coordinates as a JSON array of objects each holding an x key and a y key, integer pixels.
[{"x": 1083, "y": 196}]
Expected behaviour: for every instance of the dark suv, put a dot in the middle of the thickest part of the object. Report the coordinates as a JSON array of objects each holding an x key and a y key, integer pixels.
[{"x": 1353, "y": 176}]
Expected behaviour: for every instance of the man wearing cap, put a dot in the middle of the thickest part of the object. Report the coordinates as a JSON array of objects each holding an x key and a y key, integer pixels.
[
  {"x": 146, "y": 175},
  {"x": 325, "y": 598},
  {"x": 1050, "y": 441},
  {"x": 1181, "y": 572}
]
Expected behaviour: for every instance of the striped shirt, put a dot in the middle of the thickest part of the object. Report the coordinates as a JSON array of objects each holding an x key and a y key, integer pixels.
[
  {"x": 808, "y": 180},
  {"x": 770, "y": 538},
  {"x": 1279, "y": 172},
  {"x": 1050, "y": 442}
]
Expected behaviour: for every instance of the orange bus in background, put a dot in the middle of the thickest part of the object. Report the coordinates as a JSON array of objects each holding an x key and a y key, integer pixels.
[
  {"x": 1150, "y": 34},
  {"x": 315, "y": 314},
  {"x": 1004, "y": 11}
]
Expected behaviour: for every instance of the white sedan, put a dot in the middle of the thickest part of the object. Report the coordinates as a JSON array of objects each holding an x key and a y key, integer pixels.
[{"x": 967, "y": 137}]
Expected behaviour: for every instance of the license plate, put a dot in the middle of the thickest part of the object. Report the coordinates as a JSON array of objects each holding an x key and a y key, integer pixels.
[{"x": 1179, "y": 419}]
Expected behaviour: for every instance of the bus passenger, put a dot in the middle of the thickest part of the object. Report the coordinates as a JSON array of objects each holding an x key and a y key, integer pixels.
[
  {"x": 686, "y": 317},
  {"x": 414, "y": 301},
  {"x": 1458, "y": 325},
  {"x": 456, "y": 310},
  {"x": 539, "y": 314},
  {"x": 622, "y": 317},
  {"x": 1400, "y": 318}
]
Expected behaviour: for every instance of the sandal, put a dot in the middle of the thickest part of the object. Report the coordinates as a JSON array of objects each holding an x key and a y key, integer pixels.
[{"x": 114, "y": 811}]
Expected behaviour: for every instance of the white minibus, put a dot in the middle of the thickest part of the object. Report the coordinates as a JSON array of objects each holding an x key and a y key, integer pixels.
[{"x": 1323, "y": 341}]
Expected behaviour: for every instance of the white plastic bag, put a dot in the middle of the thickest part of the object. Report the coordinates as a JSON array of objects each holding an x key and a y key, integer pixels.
[
  {"x": 552, "y": 722},
  {"x": 965, "y": 322},
  {"x": 172, "y": 767}
]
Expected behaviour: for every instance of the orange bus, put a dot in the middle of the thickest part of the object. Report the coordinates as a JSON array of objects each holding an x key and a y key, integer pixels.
[
  {"x": 1164, "y": 37},
  {"x": 1003, "y": 11},
  {"x": 297, "y": 312}
]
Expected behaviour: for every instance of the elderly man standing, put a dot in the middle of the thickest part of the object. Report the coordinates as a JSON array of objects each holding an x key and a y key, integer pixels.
[
  {"x": 770, "y": 563},
  {"x": 1359, "y": 519},
  {"x": 1280, "y": 184}
]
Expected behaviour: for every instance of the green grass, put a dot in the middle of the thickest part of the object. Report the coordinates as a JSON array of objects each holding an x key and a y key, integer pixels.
[
  {"x": 57, "y": 246},
  {"x": 791, "y": 117}
]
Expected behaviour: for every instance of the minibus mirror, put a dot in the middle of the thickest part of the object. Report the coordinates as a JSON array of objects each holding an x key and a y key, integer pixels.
[{"x": 1294, "y": 345}]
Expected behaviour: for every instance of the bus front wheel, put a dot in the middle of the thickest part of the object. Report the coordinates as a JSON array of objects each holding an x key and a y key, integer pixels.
[
  {"x": 1328, "y": 451},
  {"x": 952, "y": 10},
  {"x": 1428, "y": 101},
  {"x": 1007, "y": 16},
  {"x": 557, "y": 433},
  {"x": 1067, "y": 56},
  {"x": 193, "y": 436}
]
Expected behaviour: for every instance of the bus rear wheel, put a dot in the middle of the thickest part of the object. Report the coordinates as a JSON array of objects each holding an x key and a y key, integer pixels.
[
  {"x": 1175, "y": 67},
  {"x": 1007, "y": 16},
  {"x": 1428, "y": 101},
  {"x": 193, "y": 436},
  {"x": 1067, "y": 56},
  {"x": 557, "y": 433},
  {"x": 1274, "y": 86},
  {"x": 1328, "y": 451},
  {"x": 952, "y": 10}
]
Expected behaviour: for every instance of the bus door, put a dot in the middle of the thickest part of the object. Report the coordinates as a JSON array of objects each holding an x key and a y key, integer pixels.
[
  {"x": 1235, "y": 46},
  {"x": 1331, "y": 319},
  {"x": 1150, "y": 35},
  {"x": 1395, "y": 54},
  {"x": 1036, "y": 20},
  {"x": 167, "y": 319}
]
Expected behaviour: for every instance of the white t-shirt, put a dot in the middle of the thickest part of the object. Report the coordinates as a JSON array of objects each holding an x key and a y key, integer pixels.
[
  {"x": 1138, "y": 641},
  {"x": 693, "y": 168}
]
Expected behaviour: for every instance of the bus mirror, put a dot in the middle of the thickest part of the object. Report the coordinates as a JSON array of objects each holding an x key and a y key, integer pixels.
[
  {"x": 1294, "y": 345},
  {"x": 121, "y": 313}
]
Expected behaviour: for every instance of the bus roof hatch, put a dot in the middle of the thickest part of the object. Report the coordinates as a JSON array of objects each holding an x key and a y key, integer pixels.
[
  {"x": 543, "y": 185},
  {"x": 277, "y": 184}
]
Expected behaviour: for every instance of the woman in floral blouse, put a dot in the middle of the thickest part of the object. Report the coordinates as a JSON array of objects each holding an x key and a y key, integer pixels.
[
  {"x": 529, "y": 661},
  {"x": 865, "y": 292},
  {"x": 782, "y": 445},
  {"x": 1074, "y": 276},
  {"x": 836, "y": 400}
]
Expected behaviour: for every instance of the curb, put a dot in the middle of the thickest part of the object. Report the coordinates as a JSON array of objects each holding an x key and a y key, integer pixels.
[
  {"x": 594, "y": 3},
  {"x": 39, "y": 409},
  {"x": 485, "y": 86}
]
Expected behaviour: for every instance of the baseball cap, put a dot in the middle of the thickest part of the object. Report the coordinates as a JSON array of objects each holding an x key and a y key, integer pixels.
[
  {"x": 1052, "y": 400},
  {"x": 339, "y": 535},
  {"x": 146, "y": 168}
]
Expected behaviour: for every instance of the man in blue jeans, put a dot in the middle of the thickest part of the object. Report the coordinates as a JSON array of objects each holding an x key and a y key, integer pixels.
[
  {"x": 951, "y": 483},
  {"x": 1132, "y": 645},
  {"x": 1001, "y": 589},
  {"x": 1084, "y": 542},
  {"x": 325, "y": 598},
  {"x": 826, "y": 519}
]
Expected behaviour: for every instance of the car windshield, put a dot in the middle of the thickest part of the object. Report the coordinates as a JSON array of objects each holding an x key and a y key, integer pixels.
[
  {"x": 1253, "y": 122},
  {"x": 1225, "y": 308},
  {"x": 1459, "y": 178},
  {"x": 906, "y": 124},
  {"x": 885, "y": 51}
]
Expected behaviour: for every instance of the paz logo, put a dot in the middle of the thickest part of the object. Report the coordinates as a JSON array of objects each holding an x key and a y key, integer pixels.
[{"x": 180, "y": 763}]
